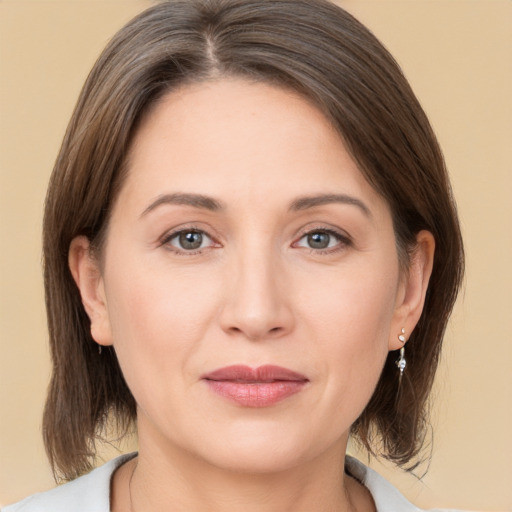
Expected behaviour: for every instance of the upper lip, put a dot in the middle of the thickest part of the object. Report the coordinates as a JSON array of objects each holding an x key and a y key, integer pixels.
[{"x": 265, "y": 373}]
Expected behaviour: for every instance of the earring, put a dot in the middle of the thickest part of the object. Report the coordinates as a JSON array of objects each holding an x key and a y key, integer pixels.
[
  {"x": 401, "y": 362},
  {"x": 99, "y": 350}
]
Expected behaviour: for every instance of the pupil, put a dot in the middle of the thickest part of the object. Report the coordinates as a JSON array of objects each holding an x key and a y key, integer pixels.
[
  {"x": 318, "y": 240},
  {"x": 191, "y": 240}
]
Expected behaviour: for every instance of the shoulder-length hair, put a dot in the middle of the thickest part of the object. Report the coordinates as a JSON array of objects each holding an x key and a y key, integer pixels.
[{"x": 321, "y": 52}]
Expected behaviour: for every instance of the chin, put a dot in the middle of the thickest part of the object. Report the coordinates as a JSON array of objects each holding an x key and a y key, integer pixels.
[
  {"x": 260, "y": 450},
  {"x": 256, "y": 460}
]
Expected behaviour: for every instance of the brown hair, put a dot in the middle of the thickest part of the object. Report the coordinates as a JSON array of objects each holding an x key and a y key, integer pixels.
[{"x": 313, "y": 47}]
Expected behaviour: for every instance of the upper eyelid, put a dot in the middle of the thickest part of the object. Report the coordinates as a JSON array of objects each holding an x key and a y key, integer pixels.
[
  {"x": 174, "y": 234},
  {"x": 165, "y": 242},
  {"x": 325, "y": 228},
  {"x": 343, "y": 239},
  {"x": 340, "y": 234},
  {"x": 171, "y": 233}
]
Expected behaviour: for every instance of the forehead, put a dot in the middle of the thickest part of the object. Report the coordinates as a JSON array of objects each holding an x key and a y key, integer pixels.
[{"x": 240, "y": 139}]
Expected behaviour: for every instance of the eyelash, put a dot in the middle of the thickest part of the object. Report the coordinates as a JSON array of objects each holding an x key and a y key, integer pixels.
[
  {"x": 167, "y": 238},
  {"x": 343, "y": 241}
]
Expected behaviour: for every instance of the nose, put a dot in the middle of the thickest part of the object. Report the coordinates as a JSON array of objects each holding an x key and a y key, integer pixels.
[{"x": 257, "y": 303}]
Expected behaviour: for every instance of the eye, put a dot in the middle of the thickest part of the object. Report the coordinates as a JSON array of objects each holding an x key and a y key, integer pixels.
[
  {"x": 321, "y": 239},
  {"x": 189, "y": 240}
]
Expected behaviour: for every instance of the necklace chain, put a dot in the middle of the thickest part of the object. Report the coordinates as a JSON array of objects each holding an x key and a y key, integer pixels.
[
  {"x": 133, "y": 473},
  {"x": 130, "y": 486}
]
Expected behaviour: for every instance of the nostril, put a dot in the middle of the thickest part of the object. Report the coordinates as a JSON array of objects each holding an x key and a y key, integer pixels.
[{"x": 257, "y": 318}]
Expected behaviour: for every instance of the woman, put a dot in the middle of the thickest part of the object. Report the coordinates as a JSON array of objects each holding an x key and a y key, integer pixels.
[{"x": 251, "y": 251}]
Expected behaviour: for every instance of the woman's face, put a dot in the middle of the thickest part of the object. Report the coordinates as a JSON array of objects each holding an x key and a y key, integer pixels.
[{"x": 245, "y": 236}]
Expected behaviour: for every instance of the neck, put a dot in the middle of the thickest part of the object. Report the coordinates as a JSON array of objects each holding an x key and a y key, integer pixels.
[{"x": 160, "y": 481}]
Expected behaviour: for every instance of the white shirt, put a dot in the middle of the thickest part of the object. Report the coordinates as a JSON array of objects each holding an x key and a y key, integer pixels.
[{"x": 91, "y": 492}]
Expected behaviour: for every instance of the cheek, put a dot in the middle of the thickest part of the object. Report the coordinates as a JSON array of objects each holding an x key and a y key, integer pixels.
[
  {"x": 355, "y": 305},
  {"x": 352, "y": 324},
  {"x": 158, "y": 320},
  {"x": 156, "y": 297}
]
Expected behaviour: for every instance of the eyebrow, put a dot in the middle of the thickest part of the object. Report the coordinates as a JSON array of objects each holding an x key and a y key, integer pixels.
[
  {"x": 303, "y": 203},
  {"x": 194, "y": 200}
]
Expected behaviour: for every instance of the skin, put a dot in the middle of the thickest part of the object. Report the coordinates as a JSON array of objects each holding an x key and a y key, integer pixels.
[{"x": 255, "y": 293}]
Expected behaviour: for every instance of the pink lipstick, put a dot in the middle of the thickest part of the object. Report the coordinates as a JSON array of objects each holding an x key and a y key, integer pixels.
[{"x": 255, "y": 387}]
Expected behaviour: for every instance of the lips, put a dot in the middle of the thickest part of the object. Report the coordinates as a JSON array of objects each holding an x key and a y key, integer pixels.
[{"x": 255, "y": 387}]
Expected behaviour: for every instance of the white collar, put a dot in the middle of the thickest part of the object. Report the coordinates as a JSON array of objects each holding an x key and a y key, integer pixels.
[{"x": 91, "y": 492}]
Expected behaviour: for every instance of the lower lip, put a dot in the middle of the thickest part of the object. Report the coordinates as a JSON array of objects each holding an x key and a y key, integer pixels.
[{"x": 257, "y": 394}]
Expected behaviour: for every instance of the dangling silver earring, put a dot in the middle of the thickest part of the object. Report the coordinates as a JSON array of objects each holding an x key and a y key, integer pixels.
[
  {"x": 401, "y": 363},
  {"x": 99, "y": 350}
]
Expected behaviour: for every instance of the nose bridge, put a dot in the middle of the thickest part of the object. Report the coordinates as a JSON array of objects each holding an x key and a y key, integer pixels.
[{"x": 256, "y": 303}]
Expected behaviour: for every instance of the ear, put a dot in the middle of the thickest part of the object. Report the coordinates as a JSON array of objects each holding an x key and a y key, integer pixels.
[
  {"x": 87, "y": 275},
  {"x": 413, "y": 289}
]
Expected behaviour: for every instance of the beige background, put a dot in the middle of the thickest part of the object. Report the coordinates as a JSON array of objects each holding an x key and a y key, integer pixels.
[{"x": 458, "y": 56}]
